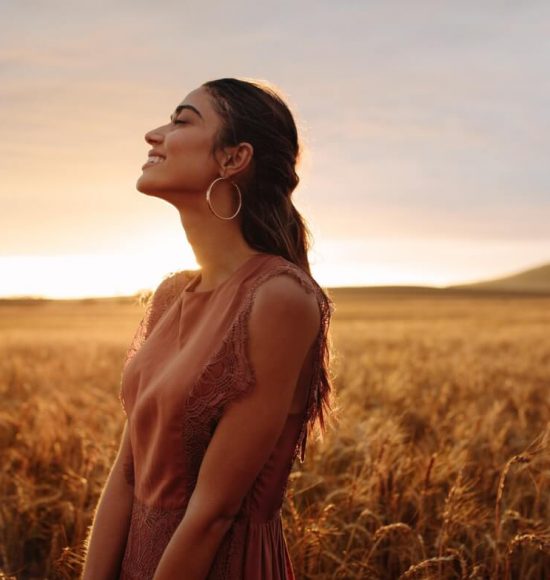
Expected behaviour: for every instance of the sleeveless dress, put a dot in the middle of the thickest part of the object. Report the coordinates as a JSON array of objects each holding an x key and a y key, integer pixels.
[{"x": 186, "y": 363}]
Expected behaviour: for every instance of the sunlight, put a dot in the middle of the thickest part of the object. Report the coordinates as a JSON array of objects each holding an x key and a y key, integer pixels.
[{"x": 80, "y": 276}]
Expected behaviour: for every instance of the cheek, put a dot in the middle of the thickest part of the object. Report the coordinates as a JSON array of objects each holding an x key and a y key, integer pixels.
[
  {"x": 189, "y": 162},
  {"x": 188, "y": 144}
]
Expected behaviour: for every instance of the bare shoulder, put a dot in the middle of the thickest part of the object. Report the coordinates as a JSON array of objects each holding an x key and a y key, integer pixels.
[{"x": 287, "y": 297}]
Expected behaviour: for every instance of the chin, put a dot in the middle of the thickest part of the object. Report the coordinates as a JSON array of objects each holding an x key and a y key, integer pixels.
[
  {"x": 140, "y": 186},
  {"x": 145, "y": 185}
]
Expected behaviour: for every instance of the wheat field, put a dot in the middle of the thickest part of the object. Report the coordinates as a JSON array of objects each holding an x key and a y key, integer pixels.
[{"x": 436, "y": 463}]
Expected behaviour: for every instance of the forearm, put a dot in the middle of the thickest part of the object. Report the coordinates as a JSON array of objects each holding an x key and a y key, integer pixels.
[
  {"x": 192, "y": 549},
  {"x": 109, "y": 533}
]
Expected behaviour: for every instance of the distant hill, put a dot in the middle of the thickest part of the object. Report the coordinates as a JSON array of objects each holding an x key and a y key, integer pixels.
[{"x": 532, "y": 280}]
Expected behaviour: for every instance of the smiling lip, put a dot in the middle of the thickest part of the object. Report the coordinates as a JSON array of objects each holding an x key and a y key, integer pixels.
[{"x": 149, "y": 164}]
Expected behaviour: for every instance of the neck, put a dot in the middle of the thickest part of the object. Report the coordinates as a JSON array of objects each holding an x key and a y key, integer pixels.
[{"x": 218, "y": 246}]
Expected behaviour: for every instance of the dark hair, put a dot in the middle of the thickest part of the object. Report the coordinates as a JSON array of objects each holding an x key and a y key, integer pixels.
[{"x": 253, "y": 111}]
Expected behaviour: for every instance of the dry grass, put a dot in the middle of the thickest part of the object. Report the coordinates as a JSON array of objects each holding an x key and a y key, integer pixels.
[{"x": 437, "y": 464}]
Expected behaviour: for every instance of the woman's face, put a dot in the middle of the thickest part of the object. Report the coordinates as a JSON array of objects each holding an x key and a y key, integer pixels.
[{"x": 184, "y": 145}]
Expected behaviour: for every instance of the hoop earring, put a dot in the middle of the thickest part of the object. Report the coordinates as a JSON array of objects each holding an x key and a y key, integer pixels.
[{"x": 209, "y": 191}]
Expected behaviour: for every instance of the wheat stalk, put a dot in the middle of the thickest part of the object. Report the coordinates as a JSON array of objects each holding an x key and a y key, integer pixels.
[{"x": 428, "y": 564}]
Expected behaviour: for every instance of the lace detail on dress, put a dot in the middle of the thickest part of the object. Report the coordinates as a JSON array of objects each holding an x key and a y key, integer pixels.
[
  {"x": 150, "y": 531},
  {"x": 320, "y": 390}
]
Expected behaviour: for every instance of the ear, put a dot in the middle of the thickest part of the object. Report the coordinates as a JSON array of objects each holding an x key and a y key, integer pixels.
[{"x": 236, "y": 159}]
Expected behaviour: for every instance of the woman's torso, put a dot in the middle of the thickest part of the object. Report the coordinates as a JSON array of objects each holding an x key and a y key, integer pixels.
[{"x": 174, "y": 389}]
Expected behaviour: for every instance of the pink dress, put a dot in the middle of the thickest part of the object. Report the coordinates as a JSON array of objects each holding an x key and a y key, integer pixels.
[{"x": 187, "y": 362}]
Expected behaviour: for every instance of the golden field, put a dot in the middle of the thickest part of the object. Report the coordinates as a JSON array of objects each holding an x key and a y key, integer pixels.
[{"x": 436, "y": 464}]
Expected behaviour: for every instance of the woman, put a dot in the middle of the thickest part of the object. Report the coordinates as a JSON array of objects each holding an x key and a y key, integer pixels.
[{"x": 229, "y": 368}]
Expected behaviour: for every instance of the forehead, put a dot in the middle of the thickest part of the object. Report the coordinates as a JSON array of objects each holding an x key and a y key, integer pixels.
[{"x": 200, "y": 100}]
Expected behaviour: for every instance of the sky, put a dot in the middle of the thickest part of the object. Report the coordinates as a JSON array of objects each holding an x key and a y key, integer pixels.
[{"x": 425, "y": 123}]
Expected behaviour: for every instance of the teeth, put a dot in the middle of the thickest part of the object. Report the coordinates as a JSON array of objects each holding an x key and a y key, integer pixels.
[{"x": 155, "y": 159}]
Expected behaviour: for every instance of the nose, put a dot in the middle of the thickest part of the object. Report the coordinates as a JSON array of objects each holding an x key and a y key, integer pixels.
[{"x": 154, "y": 136}]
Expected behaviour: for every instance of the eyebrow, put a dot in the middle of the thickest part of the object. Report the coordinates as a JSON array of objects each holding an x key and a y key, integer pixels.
[{"x": 181, "y": 107}]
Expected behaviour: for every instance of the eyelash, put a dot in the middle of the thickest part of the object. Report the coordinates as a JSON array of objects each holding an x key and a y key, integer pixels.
[{"x": 177, "y": 122}]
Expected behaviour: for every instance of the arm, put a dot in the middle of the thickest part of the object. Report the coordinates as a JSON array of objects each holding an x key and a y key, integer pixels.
[
  {"x": 283, "y": 323},
  {"x": 107, "y": 541}
]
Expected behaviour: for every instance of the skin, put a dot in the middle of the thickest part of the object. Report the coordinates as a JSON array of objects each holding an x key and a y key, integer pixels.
[{"x": 184, "y": 176}]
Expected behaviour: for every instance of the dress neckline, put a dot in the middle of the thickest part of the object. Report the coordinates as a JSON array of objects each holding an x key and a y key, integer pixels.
[{"x": 194, "y": 281}]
